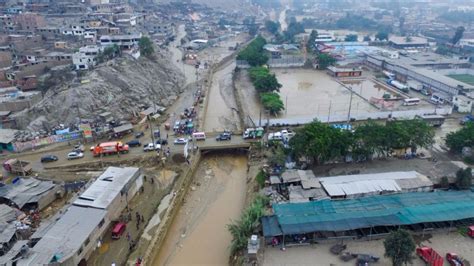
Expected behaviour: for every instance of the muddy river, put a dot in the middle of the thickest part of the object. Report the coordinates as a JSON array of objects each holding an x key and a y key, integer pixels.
[{"x": 198, "y": 234}]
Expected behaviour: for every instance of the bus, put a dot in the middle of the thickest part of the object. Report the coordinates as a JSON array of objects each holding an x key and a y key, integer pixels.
[{"x": 411, "y": 101}]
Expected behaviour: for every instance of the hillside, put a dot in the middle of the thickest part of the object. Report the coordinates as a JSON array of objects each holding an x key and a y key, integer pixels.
[{"x": 121, "y": 86}]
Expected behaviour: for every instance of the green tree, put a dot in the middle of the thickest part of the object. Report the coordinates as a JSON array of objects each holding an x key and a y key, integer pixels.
[
  {"x": 244, "y": 227},
  {"x": 369, "y": 139},
  {"x": 321, "y": 142},
  {"x": 367, "y": 38},
  {"x": 253, "y": 53},
  {"x": 464, "y": 137},
  {"x": 325, "y": 60},
  {"x": 263, "y": 80},
  {"x": 311, "y": 40},
  {"x": 146, "y": 46},
  {"x": 351, "y": 38},
  {"x": 464, "y": 178},
  {"x": 442, "y": 50},
  {"x": 271, "y": 102},
  {"x": 381, "y": 35},
  {"x": 444, "y": 182},
  {"x": 277, "y": 157},
  {"x": 293, "y": 29},
  {"x": 399, "y": 247},
  {"x": 272, "y": 27},
  {"x": 458, "y": 35}
]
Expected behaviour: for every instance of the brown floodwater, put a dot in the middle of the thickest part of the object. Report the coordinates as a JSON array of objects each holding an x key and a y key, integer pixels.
[{"x": 198, "y": 234}]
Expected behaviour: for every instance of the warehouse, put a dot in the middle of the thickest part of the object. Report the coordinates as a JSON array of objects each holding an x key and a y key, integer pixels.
[
  {"x": 369, "y": 216},
  {"x": 71, "y": 236}
]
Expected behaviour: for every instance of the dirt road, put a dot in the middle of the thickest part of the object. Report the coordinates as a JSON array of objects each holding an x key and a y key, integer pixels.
[{"x": 198, "y": 234}]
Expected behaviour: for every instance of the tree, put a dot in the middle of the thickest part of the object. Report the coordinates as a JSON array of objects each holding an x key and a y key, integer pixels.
[
  {"x": 464, "y": 137},
  {"x": 444, "y": 182},
  {"x": 464, "y": 178},
  {"x": 320, "y": 142},
  {"x": 312, "y": 38},
  {"x": 381, "y": 35},
  {"x": 367, "y": 38},
  {"x": 399, "y": 247},
  {"x": 244, "y": 227},
  {"x": 146, "y": 46},
  {"x": 294, "y": 28},
  {"x": 263, "y": 80},
  {"x": 272, "y": 27},
  {"x": 442, "y": 50},
  {"x": 277, "y": 157},
  {"x": 351, "y": 38},
  {"x": 458, "y": 35},
  {"x": 325, "y": 60},
  {"x": 271, "y": 101},
  {"x": 253, "y": 53},
  {"x": 408, "y": 39}
]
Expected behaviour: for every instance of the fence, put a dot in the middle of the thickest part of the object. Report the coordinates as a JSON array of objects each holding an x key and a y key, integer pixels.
[
  {"x": 409, "y": 114},
  {"x": 287, "y": 61},
  {"x": 36, "y": 143}
]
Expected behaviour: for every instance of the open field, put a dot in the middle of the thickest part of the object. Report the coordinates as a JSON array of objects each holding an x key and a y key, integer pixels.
[{"x": 466, "y": 78}]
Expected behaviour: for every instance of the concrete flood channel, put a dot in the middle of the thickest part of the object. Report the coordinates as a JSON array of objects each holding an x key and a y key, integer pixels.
[{"x": 198, "y": 233}]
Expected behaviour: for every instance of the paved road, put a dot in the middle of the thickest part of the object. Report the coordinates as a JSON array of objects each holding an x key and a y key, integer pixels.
[{"x": 135, "y": 152}]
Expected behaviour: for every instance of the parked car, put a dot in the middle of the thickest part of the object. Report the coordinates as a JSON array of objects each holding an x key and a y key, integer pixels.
[
  {"x": 162, "y": 142},
  {"x": 49, "y": 158},
  {"x": 139, "y": 134},
  {"x": 454, "y": 259},
  {"x": 79, "y": 147},
  {"x": 151, "y": 147},
  {"x": 180, "y": 141},
  {"x": 224, "y": 136},
  {"x": 134, "y": 143},
  {"x": 75, "y": 155}
]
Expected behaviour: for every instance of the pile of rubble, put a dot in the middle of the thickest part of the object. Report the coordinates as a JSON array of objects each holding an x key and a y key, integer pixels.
[{"x": 121, "y": 86}]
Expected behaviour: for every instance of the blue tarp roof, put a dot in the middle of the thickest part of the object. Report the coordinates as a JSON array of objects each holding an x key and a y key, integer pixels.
[
  {"x": 388, "y": 210},
  {"x": 270, "y": 226}
]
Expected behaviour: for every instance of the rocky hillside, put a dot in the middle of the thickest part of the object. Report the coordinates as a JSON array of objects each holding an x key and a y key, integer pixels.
[{"x": 121, "y": 86}]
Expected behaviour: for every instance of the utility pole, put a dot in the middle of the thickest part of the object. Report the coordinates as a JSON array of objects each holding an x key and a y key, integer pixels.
[
  {"x": 329, "y": 115},
  {"x": 151, "y": 131},
  {"x": 350, "y": 106}
]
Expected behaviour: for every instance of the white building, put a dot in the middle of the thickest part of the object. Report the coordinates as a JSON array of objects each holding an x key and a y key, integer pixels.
[
  {"x": 324, "y": 37},
  {"x": 86, "y": 57},
  {"x": 71, "y": 237},
  {"x": 462, "y": 104},
  {"x": 123, "y": 41}
]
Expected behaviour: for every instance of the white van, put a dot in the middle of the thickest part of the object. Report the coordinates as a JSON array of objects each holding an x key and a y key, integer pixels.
[
  {"x": 439, "y": 98},
  {"x": 411, "y": 101},
  {"x": 199, "y": 136}
]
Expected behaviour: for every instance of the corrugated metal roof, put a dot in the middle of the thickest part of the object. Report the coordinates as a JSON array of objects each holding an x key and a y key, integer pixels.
[
  {"x": 387, "y": 210},
  {"x": 349, "y": 185},
  {"x": 107, "y": 187},
  {"x": 26, "y": 190},
  {"x": 66, "y": 236}
]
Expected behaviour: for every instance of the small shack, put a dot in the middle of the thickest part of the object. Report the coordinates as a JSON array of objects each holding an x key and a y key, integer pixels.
[
  {"x": 338, "y": 72},
  {"x": 7, "y": 136},
  {"x": 30, "y": 193}
]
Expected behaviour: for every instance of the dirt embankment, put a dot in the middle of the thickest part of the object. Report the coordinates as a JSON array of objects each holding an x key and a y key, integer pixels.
[{"x": 121, "y": 86}]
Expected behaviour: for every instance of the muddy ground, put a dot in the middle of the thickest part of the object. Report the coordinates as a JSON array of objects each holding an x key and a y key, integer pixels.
[
  {"x": 198, "y": 234},
  {"x": 320, "y": 255}
]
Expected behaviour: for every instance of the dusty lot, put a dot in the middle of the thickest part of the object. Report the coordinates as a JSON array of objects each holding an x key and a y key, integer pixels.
[{"x": 319, "y": 254}]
